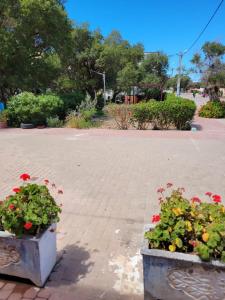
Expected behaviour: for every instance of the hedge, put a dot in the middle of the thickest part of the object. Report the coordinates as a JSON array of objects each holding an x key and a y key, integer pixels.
[{"x": 213, "y": 109}]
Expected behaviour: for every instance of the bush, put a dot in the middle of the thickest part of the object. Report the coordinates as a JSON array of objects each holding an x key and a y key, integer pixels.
[
  {"x": 28, "y": 108},
  {"x": 213, "y": 109},
  {"x": 4, "y": 116},
  {"x": 175, "y": 112},
  {"x": 121, "y": 113},
  {"x": 189, "y": 226},
  {"x": 71, "y": 102},
  {"x": 54, "y": 122},
  {"x": 31, "y": 210}
]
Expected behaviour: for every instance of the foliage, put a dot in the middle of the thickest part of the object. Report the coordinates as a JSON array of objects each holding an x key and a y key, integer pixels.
[
  {"x": 174, "y": 111},
  {"x": 34, "y": 36},
  {"x": 185, "y": 82},
  {"x": 213, "y": 109},
  {"x": 4, "y": 115},
  {"x": 189, "y": 226},
  {"x": 28, "y": 108},
  {"x": 29, "y": 211},
  {"x": 211, "y": 67},
  {"x": 121, "y": 113},
  {"x": 71, "y": 101},
  {"x": 54, "y": 122},
  {"x": 128, "y": 77}
]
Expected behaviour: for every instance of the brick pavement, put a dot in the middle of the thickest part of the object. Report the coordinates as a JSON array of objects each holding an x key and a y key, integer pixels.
[{"x": 109, "y": 180}]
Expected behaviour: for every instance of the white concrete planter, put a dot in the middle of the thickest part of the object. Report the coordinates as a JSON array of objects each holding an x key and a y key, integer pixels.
[
  {"x": 176, "y": 276},
  {"x": 29, "y": 257}
]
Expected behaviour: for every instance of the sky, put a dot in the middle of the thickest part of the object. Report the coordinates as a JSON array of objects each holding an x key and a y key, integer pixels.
[{"x": 166, "y": 25}]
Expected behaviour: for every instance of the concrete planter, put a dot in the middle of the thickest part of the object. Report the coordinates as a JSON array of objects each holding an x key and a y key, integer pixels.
[
  {"x": 176, "y": 276},
  {"x": 29, "y": 257}
]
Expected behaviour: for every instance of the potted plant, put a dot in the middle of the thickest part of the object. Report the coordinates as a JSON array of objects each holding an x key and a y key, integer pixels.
[
  {"x": 3, "y": 119},
  {"x": 184, "y": 249},
  {"x": 28, "y": 220}
]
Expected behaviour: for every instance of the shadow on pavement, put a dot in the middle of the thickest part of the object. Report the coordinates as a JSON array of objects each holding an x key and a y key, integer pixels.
[{"x": 72, "y": 266}]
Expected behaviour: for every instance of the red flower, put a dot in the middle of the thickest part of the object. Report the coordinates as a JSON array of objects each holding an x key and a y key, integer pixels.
[
  {"x": 28, "y": 225},
  {"x": 208, "y": 194},
  {"x": 160, "y": 190},
  {"x": 216, "y": 198},
  {"x": 25, "y": 177},
  {"x": 169, "y": 184},
  {"x": 16, "y": 190},
  {"x": 196, "y": 199},
  {"x": 60, "y": 192},
  {"x": 155, "y": 218},
  {"x": 11, "y": 206},
  {"x": 46, "y": 181},
  {"x": 193, "y": 243}
]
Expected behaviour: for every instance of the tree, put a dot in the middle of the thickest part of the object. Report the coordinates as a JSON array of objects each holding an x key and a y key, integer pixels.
[
  {"x": 211, "y": 67},
  {"x": 184, "y": 83},
  {"x": 33, "y": 36},
  {"x": 154, "y": 74},
  {"x": 128, "y": 77}
]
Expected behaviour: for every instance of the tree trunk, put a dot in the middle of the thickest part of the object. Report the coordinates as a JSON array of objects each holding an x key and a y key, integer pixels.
[{"x": 214, "y": 93}]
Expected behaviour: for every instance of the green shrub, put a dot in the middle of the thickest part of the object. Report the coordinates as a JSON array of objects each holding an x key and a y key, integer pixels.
[
  {"x": 141, "y": 115},
  {"x": 175, "y": 111},
  {"x": 81, "y": 120},
  {"x": 213, "y": 109},
  {"x": 71, "y": 102},
  {"x": 54, "y": 122},
  {"x": 189, "y": 226},
  {"x": 4, "y": 116},
  {"x": 28, "y": 108},
  {"x": 121, "y": 113}
]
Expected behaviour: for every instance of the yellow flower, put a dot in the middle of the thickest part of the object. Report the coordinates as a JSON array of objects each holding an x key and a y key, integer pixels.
[
  {"x": 192, "y": 214},
  {"x": 210, "y": 218},
  {"x": 172, "y": 248},
  {"x": 205, "y": 237},
  {"x": 177, "y": 211},
  {"x": 188, "y": 224},
  {"x": 17, "y": 209},
  {"x": 223, "y": 209}
]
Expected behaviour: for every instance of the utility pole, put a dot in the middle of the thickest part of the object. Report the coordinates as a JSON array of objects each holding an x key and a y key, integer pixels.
[
  {"x": 181, "y": 54},
  {"x": 104, "y": 85}
]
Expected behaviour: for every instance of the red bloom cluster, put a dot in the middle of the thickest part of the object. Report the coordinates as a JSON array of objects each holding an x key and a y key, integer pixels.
[
  {"x": 46, "y": 181},
  {"x": 16, "y": 190},
  {"x": 196, "y": 200},
  {"x": 216, "y": 198},
  {"x": 28, "y": 225},
  {"x": 11, "y": 206},
  {"x": 169, "y": 184},
  {"x": 155, "y": 218},
  {"x": 160, "y": 190},
  {"x": 208, "y": 194},
  {"x": 25, "y": 177}
]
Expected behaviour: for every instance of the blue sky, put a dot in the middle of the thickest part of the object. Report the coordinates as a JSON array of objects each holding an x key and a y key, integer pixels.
[{"x": 167, "y": 25}]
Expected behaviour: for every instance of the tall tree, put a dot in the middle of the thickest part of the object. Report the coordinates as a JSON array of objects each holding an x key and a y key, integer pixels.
[
  {"x": 33, "y": 36},
  {"x": 211, "y": 67}
]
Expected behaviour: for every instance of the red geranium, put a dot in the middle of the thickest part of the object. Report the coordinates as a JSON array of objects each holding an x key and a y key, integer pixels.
[
  {"x": 28, "y": 225},
  {"x": 16, "y": 190},
  {"x": 25, "y": 177},
  {"x": 208, "y": 194},
  {"x": 155, "y": 218},
  {"x": 216, "y": 198},
  {"x": 60, "y": 191},
  {"x": 196, "y": 199},
  {"x": 169, "y": 184},
  {"x": 46, "y": 181},
  {"x": 11, "y": 206},
  {"x": 160, "y": 190}
]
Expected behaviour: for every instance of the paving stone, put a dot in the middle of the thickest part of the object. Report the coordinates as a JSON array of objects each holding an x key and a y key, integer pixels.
[
  {"x": 44, "y": 293},
  {"x": 15, "y": 296},
  {"x": 31, "y": 293}
]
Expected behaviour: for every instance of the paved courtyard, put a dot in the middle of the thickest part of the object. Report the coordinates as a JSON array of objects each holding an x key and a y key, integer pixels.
[{"x": 109, "y": 179}]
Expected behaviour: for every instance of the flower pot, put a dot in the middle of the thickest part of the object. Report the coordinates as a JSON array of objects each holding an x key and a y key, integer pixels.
[
  {"x": 175, "y": 276},
  {"x": 29, "y": 257},
  {"x": 3, "y": 124},
  {"x": 26, "y": 126}
]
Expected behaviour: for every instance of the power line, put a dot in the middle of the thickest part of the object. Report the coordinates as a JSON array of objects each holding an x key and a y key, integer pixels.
[{"x": 203, "y": 30}]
